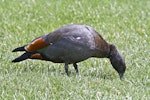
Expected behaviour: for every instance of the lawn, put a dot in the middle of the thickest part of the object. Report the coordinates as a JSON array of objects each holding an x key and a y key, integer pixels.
[{"x": 125, "y": 23}]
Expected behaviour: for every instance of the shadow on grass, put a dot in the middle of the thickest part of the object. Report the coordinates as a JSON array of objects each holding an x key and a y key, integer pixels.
[{"x": 58, "y": 70}]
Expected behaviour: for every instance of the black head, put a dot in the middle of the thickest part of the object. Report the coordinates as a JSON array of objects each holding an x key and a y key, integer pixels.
[{"x": 117, "y": 61}]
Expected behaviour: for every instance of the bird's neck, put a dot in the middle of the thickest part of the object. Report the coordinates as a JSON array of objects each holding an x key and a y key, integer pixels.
[{"x": 102, "y": 52}]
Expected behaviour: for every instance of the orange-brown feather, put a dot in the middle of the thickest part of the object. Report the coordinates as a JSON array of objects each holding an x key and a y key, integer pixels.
[
  {"x": 37, "y": 56},
  {"x": 36, "y": 45}
]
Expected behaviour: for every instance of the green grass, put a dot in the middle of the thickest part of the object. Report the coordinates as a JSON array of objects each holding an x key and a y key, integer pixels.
[{"x": 125, "y": 23}]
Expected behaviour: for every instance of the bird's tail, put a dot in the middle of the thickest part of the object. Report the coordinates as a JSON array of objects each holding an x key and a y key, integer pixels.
[
  {"x": 24, "y": 56},
  {"x": 19, "y": 49},
  {"x": 27, "y": 55}
]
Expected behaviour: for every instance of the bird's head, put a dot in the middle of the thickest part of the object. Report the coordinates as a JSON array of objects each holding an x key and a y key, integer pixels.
[{"x": 117, "y": 61}]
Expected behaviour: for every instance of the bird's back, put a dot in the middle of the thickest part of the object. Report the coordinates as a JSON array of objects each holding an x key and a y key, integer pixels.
[{"x": 73, "y": 43}]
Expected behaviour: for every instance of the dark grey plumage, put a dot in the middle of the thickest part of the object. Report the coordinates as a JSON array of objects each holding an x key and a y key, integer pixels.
[{"x": 72, "y": 44}]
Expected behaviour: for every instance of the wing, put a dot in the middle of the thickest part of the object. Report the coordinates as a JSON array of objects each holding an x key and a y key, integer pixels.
[{"x": 36, "y": 44}]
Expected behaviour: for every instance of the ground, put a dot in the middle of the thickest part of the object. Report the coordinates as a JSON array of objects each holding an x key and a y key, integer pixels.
[{"x": 125, "y": 23}]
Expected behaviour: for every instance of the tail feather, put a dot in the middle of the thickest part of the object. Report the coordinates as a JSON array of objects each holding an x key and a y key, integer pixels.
[
  {"x": 19, "y": 49},
  {"x": 24, "y": 56}
]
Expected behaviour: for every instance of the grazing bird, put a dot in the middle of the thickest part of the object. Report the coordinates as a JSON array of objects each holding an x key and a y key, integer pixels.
[{"x": 72, "y": 44}]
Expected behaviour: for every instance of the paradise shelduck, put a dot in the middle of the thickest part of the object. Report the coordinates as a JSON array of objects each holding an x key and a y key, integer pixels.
[{"x": 72, "y": 44}]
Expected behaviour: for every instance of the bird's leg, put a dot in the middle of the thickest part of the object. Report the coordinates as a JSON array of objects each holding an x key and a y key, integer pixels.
[
  {"x": 66, "y": 69},
  {"x": 76, "y": 68}
]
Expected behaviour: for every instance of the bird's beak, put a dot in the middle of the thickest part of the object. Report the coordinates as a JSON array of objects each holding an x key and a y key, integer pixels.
[{"x": 121, "y": 76}]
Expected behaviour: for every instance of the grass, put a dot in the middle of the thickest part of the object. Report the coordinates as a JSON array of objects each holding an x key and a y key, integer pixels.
[{"x": 125, "y": 23}]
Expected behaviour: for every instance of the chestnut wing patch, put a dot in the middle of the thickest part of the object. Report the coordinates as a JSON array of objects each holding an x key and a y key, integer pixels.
[
  {"x": 37, "y": 56},
  {"x": 37, "y": 44}
]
